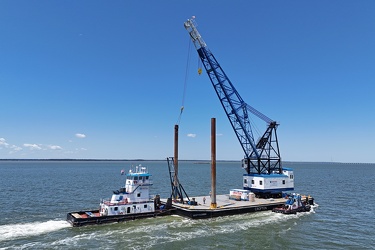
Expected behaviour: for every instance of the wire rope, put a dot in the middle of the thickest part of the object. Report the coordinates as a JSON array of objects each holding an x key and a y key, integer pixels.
[{"x": 185, "y": 83}]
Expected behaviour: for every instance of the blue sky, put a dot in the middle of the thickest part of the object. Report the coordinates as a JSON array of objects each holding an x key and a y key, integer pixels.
[{"x": 105, "y": 79}]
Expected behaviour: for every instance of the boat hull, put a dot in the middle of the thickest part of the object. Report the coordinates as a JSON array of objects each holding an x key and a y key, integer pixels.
[
  {"x": 92, "y": 217},
  {"x": 284, "y": 210}
]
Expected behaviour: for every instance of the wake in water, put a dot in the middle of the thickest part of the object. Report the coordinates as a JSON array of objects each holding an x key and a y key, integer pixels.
[
  {"x": 172, "y": 231},
  {"x": 14, "y": 231},
  {"x": 176, "y": 230}
]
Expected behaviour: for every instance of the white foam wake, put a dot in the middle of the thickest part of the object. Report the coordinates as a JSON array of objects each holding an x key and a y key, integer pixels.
[{"x": 12, "y": 231}]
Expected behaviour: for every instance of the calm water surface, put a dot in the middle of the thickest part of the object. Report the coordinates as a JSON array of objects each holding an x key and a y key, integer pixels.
[{"x": 36, "y": 195}]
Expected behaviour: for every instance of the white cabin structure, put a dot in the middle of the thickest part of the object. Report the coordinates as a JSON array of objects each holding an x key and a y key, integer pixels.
[{"x": 133, "y": 198}]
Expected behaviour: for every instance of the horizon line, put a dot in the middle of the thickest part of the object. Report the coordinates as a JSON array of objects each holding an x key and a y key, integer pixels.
[{"x": 195, "y": 160}]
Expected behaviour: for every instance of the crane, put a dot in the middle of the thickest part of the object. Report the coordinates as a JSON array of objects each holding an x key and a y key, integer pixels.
[{"x": 265, "y": 175}]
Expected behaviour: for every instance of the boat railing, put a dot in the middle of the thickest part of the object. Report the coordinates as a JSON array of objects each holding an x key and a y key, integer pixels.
[
  {"x": 108, "y": 202},
  {"x": 138, "y": 169}
]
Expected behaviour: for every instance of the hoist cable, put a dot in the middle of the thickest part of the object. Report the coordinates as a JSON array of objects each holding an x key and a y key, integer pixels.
[{"x": 185, "y": 83}]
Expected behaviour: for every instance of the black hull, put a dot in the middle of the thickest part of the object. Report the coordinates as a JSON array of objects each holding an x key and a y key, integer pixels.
[
  {"x": 291, "y": 211},
  {"x": 211, "y": 213},
  {"x": 77, "y": 222}
]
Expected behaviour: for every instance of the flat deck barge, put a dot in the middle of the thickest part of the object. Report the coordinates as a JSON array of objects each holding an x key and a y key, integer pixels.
[{"x": 224, "y": 206}]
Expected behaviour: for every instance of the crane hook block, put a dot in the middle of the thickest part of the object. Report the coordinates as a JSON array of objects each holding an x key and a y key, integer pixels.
[{"x": 199, "y": 71}]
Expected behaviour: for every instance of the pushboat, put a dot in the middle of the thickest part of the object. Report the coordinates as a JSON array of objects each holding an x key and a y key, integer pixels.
[
  {"x": 295, "y": 203},
  {"x": 130, "y": 202}
]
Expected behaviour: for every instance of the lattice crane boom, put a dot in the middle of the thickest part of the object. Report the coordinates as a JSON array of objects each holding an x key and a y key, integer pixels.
[{"x": 261, "y": 157}]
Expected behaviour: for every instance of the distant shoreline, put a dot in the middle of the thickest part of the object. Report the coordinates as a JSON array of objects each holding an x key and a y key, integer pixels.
[
  {"x": 194, "y": 161},
  {"x": 197, "y": 161},
  {"x": 77, "y": 160}
]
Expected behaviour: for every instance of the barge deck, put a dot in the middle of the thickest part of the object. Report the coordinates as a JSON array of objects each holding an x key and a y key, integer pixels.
[{"x": 224, "y": 206}]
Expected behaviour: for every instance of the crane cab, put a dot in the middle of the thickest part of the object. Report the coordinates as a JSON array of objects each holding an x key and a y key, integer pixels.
[{"x": 269, "y": 185}]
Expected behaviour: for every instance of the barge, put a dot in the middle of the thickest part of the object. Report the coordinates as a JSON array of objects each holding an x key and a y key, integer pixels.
[
  {"x": 200, "y": 207},
  {"x": 128, "y": 203}
]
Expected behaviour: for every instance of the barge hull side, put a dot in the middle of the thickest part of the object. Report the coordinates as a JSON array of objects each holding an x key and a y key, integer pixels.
[{"x": 77, "y": 222}]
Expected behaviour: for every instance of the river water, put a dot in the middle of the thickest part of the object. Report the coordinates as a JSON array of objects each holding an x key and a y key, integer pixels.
[{"x": 36, "y": 195}]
